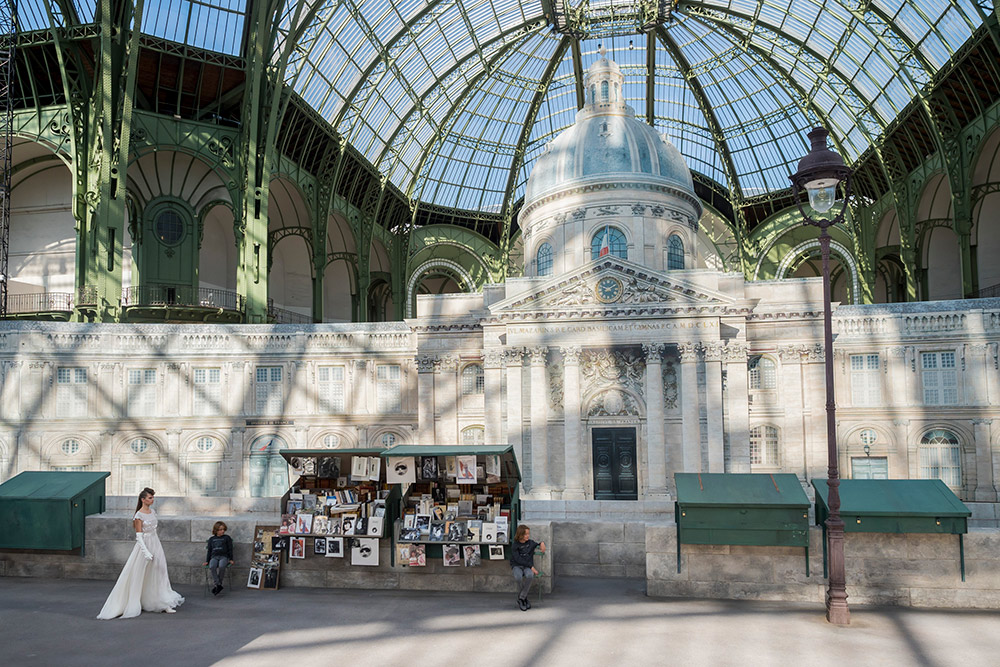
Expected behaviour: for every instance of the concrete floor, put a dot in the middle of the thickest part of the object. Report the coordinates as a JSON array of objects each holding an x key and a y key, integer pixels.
[{"x": 584, "y": 622}]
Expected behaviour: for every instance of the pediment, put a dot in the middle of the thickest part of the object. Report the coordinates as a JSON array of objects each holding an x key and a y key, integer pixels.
[{"x": 627, "y": 286}]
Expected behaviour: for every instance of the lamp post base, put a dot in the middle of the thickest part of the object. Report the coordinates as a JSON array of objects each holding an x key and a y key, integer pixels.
[{"x": 837, "y": 611}]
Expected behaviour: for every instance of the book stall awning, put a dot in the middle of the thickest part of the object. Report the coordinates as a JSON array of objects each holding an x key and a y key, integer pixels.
[
  {"x": 359, "y": 451},
  {"x": 505, "y": 452},
  {"x": 895, "y": 506},
  {"x": 741, "y": 509},
  {"x": 46, "y": 510}
]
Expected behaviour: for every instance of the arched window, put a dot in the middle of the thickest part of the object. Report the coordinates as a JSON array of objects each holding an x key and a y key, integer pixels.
[
  {"x": 139, "y": 446},
  {"x": 331, "y": 441},
  {"x": 675, "y": 253},
  {"x": 473, "y": 383},
  {"x": 764, "y": 446},
  {"x": 388, "y": 439},
  {"x": 615, "y": 242},
  {"x": 70, "y": 447},
  {"x": 604, "y": 91},
  {"x": 205, "y": 444},
  {"x": 940, "y": 457},
  {"x": 543, "y": 259},
  {"x": 268, "y": 469},
  {"x": 473, "y": 435},
  {"x": 763, "y": 374}
]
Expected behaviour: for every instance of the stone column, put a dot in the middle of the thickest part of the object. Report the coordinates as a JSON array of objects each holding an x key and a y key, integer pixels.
[
  {"x": 992, "y": 376},
  {"x": 656, "y": 448},
  {"x": 10, "y": 390},
  {"x": 976, "y": 369},
  {"x": 446, "y": 398},
  {"x": 493, "y": 383},
  {"x": 714, "y": 423},
  {"x": 573, "y": 451},
  {"x": 425, "y": 406},
  {"x": 691, "y": 429},
  {"x": 169, "y": 402},
  {"x": 234, "y": 479},
  {"x": 539, "y": 422},
  {"x": 914, "y": 389},
  {"x": 985, "y": 491},
  {"x": 177, "y": 486},
  {"x": 738, "y": 400},
  {"x": 514, "y": 418}
]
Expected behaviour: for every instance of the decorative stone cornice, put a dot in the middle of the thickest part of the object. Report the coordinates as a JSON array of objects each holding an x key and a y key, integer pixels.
[{"x": 609, "y": 186}]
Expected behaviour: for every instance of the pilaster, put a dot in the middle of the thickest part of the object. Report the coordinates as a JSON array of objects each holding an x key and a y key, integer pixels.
[
  {"x": 656, "y": 447},
  {"x": 985, "y": 489},
  {"x": 713, "y": 397},
  {"x": 446, "y": 398},
  {"x": 691, "y": 428},
  {"x": 738, "y": 406},
  {"x": 514, "y": 360},
  {"x": 425, "y": 407},
  {"x": 539, "y": 422},
  {"x": 493, "y": 383},
  {"x": 573, "y": 453},
  {"x": 790, "y": 395}
]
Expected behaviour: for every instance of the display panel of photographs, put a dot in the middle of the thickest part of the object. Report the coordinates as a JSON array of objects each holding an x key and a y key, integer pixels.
[{"x": 265, "y": 556}]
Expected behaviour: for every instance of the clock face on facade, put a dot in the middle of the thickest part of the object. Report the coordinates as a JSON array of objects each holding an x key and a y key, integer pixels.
[{"x": 608, "y": 289}]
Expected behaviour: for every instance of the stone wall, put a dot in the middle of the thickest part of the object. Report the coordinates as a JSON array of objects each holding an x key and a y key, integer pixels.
[
  {"x": 918, "y": 570},
  {"x": 598, "y": 548},
  {"x": 110, "y": 539}
]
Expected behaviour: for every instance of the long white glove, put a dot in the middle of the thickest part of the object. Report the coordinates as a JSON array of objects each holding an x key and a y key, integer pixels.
[{"x": 140, "y": 539}]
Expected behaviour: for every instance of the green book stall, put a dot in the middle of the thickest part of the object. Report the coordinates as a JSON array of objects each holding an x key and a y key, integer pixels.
[
  {"x": 895, "y": 506},
  {"x": 457, "y": 504},
  {"x": 741, "y": 509},
  {"x": 46, "y": 510},
  {"x": 334, "y": 519}
]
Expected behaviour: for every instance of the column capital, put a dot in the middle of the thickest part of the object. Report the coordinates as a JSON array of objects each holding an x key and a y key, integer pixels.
[
  {"x": 571, "y": 354},
  {"x": 713, "y": 351},
  {"x": 493, "y": 358},
  {"x": 653, "y": 352},
  {"x": 538, "y": 355},
  {"x": 447, "y": 363},
  {"x": 425, "y": 363},
  {"x": 688, "y": 352},
  {"x": 986, "y": 421},
  {"x": 735, "y": 352},
  {"x": 514, "y": 356}
]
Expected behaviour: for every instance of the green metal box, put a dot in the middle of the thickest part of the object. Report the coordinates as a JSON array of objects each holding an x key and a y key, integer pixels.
[
  {"x": 742, "y": 509},
  {"x": 895, "y": 506},
  {"x": 46, "y": 510}
]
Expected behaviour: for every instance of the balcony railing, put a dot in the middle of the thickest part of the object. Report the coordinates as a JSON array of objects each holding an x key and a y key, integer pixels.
[
  {"x": 282, "y": 316},
  {"x": 184, "y": 297},
  {"x": 41, "y": 302}
]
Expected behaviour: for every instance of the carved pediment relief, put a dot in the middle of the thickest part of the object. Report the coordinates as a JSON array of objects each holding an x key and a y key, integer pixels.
[{"x": 613, "y": 284}]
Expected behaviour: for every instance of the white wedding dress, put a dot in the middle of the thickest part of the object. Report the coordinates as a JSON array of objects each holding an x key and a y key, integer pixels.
[{"x": 143, "y": 584}]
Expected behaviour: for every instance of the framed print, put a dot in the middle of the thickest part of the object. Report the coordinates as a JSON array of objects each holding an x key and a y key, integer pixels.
[
  {"x": 320, "y": 525},
  {"x": 374, "y": 468},
  {"x": 319, "y": 546},
  {"x": 488, "y": 533},
  {"x": 359, "y": 468},
  {"x": 473, "y": 557},
  {"x": 279, "y": 542},
  {"x": 333, "y": 525},
  {"x": 334, "y": 547},
  {"x": 466, "y": 471},
  {"x": 400, "y": 470},
  {"x": 496, "y": 552},
  {"x": 270, "y": 581},
  {"x": 450, "y": 467},
  {"x": 256, "y": 574},
  {"x": 297, "y": 547},
  {"x": 452, "y": 555},
  {"x": 364, "y": 551},
  {"x": 375, "y": 526},
  {"x": 303, "y": 524},
  {"x": 428, "y": 468},
  {"x": 418, "y": 555}
]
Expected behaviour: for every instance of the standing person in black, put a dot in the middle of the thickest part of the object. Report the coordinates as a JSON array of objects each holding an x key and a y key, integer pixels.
[
  {"x": 218, "y": 554},
  {"x": 522, "y": 563}
]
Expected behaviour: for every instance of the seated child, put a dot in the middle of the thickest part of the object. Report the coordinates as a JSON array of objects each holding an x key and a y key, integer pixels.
[{"x": 219, "y": 554}]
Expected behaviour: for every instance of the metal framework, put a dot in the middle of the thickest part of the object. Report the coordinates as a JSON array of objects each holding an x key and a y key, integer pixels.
[
  {"x": 405, "y": 115},
  {"x": 8, "y": 44}
]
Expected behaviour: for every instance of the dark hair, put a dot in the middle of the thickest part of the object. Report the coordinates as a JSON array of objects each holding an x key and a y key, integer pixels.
[
  {"x": 218, "y": 525},
  {"x": 142, "y": 494},
  {"x": 521, "y": 530}
]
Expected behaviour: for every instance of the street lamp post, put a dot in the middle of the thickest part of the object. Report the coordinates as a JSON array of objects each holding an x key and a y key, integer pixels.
[{"x": 819, "y": 174}]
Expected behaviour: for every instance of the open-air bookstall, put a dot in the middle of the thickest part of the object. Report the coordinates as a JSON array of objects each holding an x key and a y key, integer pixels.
[
  {"x": 895, "y": 506},
  {"x": 454, "y": 500},
  {"x": 742, "y": 509},
  {"x": 338, "y": 505}
]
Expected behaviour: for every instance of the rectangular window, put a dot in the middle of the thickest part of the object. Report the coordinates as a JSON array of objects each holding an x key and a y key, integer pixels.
[
  {"x": 389, "y": 389},
  {"x": 940, "y": 378},
  {"x": 869, "y": 467},
  {"x": 135, "y": 478},
  {"x": 204, "y": 477},
  {"x": 331, "y": 389},
  {"x": 268, "y": 391},
  {"x": 208, "y": 391},
  {"x": 866, "y": 388},
  {"x": 71, "y": 392},
  {"x": 944, "y": 463},
  {"x": 142, "y": 392},
  {"x": 69, "y": 468}
]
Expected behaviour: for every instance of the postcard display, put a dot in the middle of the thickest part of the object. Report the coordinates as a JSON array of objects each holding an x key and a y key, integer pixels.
[
  {"x": 458, "y": 510},
  {"x": 265, "y": 558},
  {"x": 335, "y": 516}
]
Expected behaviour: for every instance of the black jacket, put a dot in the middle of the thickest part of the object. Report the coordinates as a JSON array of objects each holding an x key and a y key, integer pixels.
[
  {"x": 219, "y": 546},
  {"x": 523, "y": 553}
]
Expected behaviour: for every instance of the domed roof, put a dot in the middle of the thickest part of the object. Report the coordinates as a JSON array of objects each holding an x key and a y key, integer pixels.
[{"x": 608, "y": 143}]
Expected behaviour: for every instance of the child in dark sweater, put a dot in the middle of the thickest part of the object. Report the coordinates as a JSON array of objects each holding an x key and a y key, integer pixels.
[
  {"x": 522, "y": 563},
  {"x": 218, "y": 554}
]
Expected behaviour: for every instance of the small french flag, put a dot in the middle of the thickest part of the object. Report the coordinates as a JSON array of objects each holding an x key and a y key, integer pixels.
[{"x": 605, "y": 248}]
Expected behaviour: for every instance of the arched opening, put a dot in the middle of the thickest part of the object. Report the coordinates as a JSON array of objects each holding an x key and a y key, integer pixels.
[
  {"x": 268, "y": 469},
  {"x": 608, "y": 241},
  {"x": 986, "y": 216}
]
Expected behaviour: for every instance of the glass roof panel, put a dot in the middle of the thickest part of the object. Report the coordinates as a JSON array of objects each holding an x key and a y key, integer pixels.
[{"x": 215, "y": 25}]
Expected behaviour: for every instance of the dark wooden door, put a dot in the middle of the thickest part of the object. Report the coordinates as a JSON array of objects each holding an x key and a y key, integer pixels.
[{"x": 615, "y": 473}]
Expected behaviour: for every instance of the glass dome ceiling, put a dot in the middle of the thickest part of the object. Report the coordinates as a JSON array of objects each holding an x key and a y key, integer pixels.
[{"x": 453, "y": 100}]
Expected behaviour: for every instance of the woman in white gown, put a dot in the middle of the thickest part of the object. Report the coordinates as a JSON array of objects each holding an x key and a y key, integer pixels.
[{"x": 143, "y": 584}]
